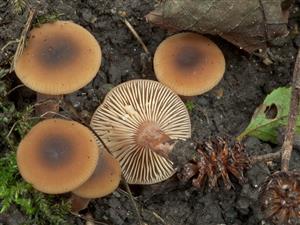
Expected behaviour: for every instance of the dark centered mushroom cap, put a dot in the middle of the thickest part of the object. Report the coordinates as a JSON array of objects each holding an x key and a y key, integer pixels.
[
  {"x": 105, "y": 179},
  {"x": 57, "y": 156},
  {"x": 117, "y": 121},
  {"x": 59, "y": 58},
  {"x": 189, "y": 63}
]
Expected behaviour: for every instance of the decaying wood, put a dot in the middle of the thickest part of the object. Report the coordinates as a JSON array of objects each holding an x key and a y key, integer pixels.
[{"x": 247, "y": 24}]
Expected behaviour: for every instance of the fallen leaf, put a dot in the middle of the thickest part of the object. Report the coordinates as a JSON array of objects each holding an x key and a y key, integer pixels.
[
  {"x": 271, "y": 116},
  {"x": 249, "y": 24}
]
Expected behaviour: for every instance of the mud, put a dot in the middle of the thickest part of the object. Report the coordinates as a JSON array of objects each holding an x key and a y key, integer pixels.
[{"x": 226, "y": 110}]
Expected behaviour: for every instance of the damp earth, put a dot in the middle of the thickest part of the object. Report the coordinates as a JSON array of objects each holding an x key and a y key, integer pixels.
[{"x": 226, "y": 111}]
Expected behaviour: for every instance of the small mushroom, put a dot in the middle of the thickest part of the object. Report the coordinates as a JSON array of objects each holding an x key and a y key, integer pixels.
[
  {"x": 59, "y": 58},
  {"x": 188, "y": 63},
  {"x": 138, "y": 121},
  {"x": 105, "y": 180},
  {"x": 57, "y": 156}
]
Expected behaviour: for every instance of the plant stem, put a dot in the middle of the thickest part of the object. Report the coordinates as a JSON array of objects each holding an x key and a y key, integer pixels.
[
  {"x": 287, "y": 146},
  {"x": 265, "y": 158},
  {"x": 22, "y": 40}
]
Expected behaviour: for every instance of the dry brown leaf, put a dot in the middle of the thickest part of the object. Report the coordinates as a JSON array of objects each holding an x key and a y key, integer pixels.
[{"x": 249, "y": 24}]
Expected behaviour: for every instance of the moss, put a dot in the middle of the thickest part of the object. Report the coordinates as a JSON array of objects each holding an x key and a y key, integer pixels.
[
  {"x": 18, "y": 6},
  {"x": 47, "y": 18},
  {"x": 190, "y": 105},
  {"x": 39, "y": 208}
]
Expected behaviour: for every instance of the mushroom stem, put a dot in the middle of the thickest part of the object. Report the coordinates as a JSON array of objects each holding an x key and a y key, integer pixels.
[
  {"x": 150, "y": 135},
  {"x": 46, "y": 104},
  {"x": 78, "y": 203},
  {"x": 185, "y": 99}
]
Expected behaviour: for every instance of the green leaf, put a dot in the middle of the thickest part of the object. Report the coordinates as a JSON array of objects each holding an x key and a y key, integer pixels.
[{"x": 270, "y": 116}]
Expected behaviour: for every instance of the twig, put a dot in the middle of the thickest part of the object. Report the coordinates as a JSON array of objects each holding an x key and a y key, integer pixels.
[
  {"x": 3, "y": 72},
  {"x": 136, "y": 35},
  {"x": 122, "y": 177},
  {"x": 265, "y": 158},
  {"x": 11, "y": 129},
  {"x": 287, "y": 146},
  {"x": 44, "y": 115},
  {"x": 45, "y": 103},
  {"x": 22, "y": 40},
  {"x": 66, "y": 105},
  {"x": 159, "y": 218},
  {"x": 13, "y": 89},
  {"x": 34, "y": 118},
  {"x": 265, "y": 19},
  {"x": 132, "y": 201},
  {"x": 88, "y": 219},
  {"x": 120, "y": 190},
  {"x": 8, "y": 44}
]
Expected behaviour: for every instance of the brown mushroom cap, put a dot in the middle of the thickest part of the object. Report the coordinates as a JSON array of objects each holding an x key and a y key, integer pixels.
[
  {"x": 59, "y": 58},
  {"x": 189, "y": 63},
  {"x": 105, "y": 179},
  {"x": 57, "y": 155},
  {"x": 125, "y": 109}
]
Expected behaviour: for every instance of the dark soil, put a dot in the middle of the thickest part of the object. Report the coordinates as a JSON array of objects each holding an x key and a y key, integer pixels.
[{"x": 226, "y": 110}]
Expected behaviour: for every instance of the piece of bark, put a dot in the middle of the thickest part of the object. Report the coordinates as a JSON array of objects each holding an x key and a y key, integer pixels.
[{"x": 249, "y": 24}]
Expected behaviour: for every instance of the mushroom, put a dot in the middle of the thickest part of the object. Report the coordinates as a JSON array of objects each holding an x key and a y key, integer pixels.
[
  {"x": 57, "y": 156},
  {"x": 137, "y": 121},
  {"x": 59, "y": 58},
  {"x": 105, "y": 180},
  {"x": 188, "y": 63}
]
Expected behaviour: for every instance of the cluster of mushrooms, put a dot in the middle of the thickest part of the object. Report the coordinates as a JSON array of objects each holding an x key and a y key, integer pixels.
[
  {"x": 138, "y": 121},
  {"x": 59, "y": 156}
]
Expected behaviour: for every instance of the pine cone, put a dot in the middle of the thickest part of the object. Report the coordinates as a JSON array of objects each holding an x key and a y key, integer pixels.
[
  {"x": 280, "y": 198},
  {"x": 217, "y": 161}
]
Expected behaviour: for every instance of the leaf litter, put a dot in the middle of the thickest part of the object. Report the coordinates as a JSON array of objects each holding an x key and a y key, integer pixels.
[{"x": 249, "y": 25}]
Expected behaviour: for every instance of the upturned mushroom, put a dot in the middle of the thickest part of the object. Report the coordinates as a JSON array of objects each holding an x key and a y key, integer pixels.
[
  {"x": 188, "y": 63},
  {"x": 57, "y": 156},
  {"x": 59, "y": 58},
  {"x": 138, "y": 121}
]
